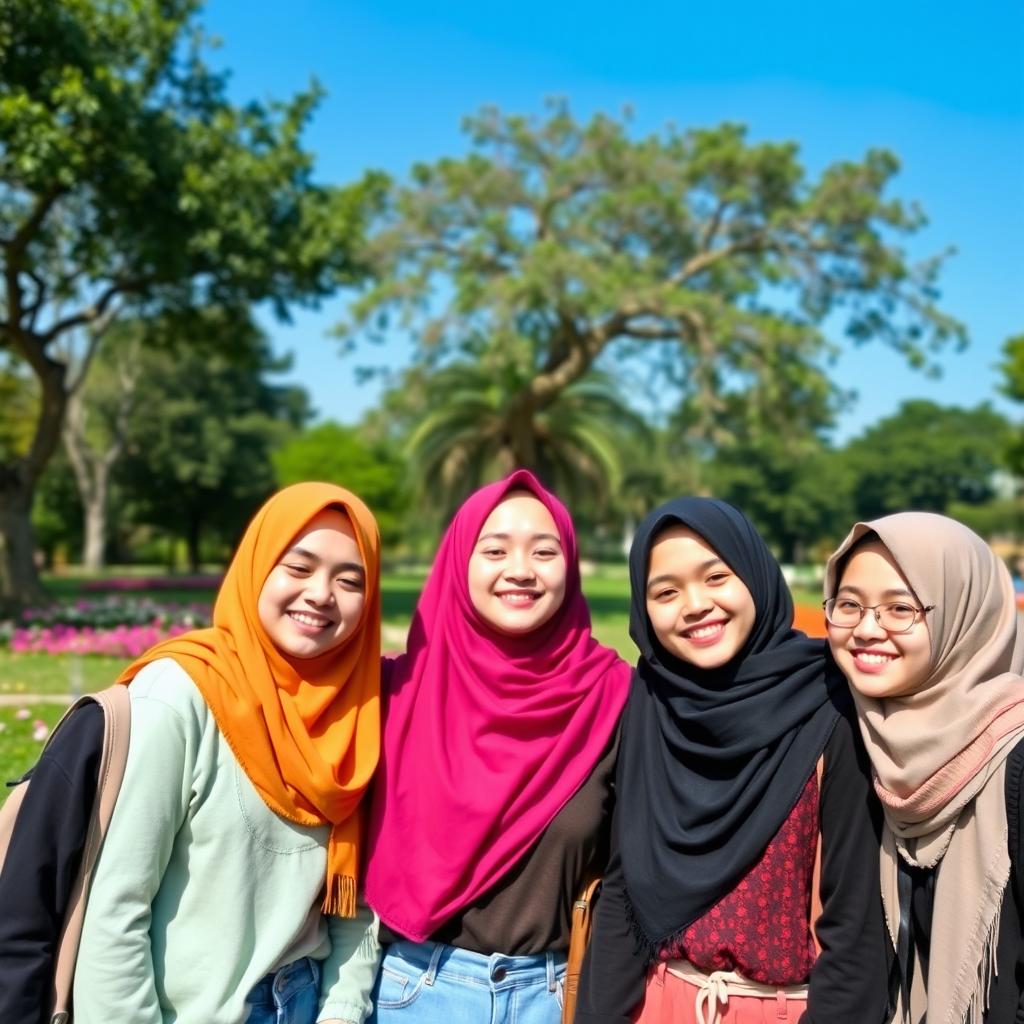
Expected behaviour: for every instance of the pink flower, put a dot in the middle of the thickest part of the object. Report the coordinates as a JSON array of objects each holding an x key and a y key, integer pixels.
[
  {"x": 22, "y": 713},
  {"x": 40, "y": 730}
]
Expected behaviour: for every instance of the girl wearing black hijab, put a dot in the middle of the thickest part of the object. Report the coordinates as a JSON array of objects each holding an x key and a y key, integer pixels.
[{"x": 739, "y": 750}]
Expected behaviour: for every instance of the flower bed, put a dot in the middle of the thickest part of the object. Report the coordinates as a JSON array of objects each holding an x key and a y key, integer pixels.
[
  {"x": 129, "y": 583},
  {"x": 113, "y": 626}
]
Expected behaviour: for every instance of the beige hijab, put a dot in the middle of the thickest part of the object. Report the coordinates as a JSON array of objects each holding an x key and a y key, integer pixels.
[{"x": 939, "y": 753}]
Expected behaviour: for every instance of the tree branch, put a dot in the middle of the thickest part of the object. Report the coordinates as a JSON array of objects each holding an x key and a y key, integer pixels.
[
  {"x": 18, "y": 242},
  {"x": 94, "y": 312}
]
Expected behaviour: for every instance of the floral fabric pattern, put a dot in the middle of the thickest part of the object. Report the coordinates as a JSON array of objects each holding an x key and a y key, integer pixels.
[{"x": 762, "y": 928}]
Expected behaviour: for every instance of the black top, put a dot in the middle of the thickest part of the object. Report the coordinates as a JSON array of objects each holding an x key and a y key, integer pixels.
[
  {"x": 42, "y": 864},
  {"x": 849, "y": 980},
  {"x": 714, "y": 759},
  {"x": 1006, "y": 993}
]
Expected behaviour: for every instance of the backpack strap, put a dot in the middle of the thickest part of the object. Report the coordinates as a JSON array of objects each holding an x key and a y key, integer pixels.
[{"x": 116, "y": 705}]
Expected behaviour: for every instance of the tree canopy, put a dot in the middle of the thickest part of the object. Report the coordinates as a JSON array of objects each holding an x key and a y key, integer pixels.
[
  {"x": 127, "y": 178},
  {"x": 713, "y": 258}
]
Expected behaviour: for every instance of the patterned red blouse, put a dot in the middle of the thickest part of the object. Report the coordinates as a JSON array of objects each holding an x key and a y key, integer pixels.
[{"x": 761, "y": 928}]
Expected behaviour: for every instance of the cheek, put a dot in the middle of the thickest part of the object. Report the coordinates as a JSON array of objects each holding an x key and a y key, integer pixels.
[
  {"x": 554, "y": 575},
  {"x": 268, "y": 606},
  {"x": 352, "y": 605},
  {"x": 662, "y": 618}
]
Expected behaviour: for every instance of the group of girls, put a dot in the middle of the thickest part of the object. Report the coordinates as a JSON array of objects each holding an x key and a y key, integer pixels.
[{"x": 787, "y": 830}]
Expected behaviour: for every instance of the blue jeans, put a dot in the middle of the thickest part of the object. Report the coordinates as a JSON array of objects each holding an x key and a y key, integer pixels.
[
  {"x": 430, "y": 983},
  {"x": 291, "y": 996}
]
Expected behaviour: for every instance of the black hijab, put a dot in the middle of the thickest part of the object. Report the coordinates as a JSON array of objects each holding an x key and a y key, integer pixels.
[{"x": 713, "y": 761}]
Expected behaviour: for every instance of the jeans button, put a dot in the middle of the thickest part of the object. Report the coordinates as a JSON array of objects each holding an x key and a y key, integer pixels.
[{"x": 498, "y": 974}]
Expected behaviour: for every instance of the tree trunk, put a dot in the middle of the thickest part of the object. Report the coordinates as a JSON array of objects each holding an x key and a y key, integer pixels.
[
  {"x": 522, "y": 436},
  {"x": 19, "y": 579},
  {"x": 94, "y": 547},
  {"x": 93, "y": 468},
  {"x": 195, "y": 528}
]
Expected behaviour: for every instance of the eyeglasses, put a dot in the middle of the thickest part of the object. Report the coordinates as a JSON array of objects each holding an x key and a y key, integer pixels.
[{"x": 895, "y": 617}]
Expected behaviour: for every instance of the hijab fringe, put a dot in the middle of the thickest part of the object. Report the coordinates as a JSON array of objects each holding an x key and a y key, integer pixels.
[
  {"x": 341, "y": 896},
  {"x": 987, "y": 967},
  {"x": 987, "y": 970}
]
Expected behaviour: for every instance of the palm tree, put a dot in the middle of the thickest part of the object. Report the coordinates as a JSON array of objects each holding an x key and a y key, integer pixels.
[{"x": 480, "y": 425}]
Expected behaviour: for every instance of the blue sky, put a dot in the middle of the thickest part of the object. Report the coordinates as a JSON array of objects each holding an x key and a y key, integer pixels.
[{"x": 941, "y": 84}]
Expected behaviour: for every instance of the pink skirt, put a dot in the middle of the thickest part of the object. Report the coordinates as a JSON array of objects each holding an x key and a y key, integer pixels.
[{"x": 719, "y": 998}]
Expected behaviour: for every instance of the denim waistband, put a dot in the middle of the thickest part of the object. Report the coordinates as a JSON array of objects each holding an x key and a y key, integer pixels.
[
  {"x": 495, "y": 970},
  {"x": 286, "y": 981}
]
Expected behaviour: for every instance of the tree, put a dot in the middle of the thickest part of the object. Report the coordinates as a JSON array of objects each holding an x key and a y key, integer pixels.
[
  {"x": 797, "y": 492},
  {"x": 97, "y": 429},
  {"x": 342, "y": 455},
  {"x": 712, "y": 259},
  {"x": 473, "y": 431},
  {"x": 127, "y": 179},
  {"x": 925, "y": 457},
  {"x": 198, "y": 462},
  {"x": 1012, "y": 386}
]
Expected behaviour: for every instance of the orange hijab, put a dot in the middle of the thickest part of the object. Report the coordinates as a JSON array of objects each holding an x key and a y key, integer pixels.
[{"x": 305, "y": 731}]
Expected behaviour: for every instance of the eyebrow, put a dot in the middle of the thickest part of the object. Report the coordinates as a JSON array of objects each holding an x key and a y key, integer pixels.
[
  {"x": 892, "y": 592},
  {"x": 507, "y": 536},
  {"x": 668, "y": 577},
  {"x": 340, "y": 567}
]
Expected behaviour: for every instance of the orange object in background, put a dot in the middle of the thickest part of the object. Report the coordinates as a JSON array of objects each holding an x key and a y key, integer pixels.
[{"x": 809, "y": 619}]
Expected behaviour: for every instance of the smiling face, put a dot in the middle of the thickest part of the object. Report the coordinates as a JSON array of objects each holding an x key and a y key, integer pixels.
[
  {"x": 879, "y": 664},
  {"x": 701, "y": 611},
  {"x": 517, "y": 569},
  {"x": 313, "y": 598}
]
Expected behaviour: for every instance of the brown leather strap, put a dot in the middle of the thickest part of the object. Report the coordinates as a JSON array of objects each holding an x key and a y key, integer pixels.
[
  {"x": 117, "y": 712},
  {"x": 579, "y": 938},
  {"x": 816, "y": 876}
]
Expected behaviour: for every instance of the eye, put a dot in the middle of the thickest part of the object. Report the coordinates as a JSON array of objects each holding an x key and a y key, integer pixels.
[
  {"x": 546, "y": 553},
  {"x": 902, "y": 611},
  {"x": 492, "y": 552},
  {"x": 350, "y": 582},
  {"x": 296, "y": 569},
  {"x": 716, "y": 579},
  {"x": 846, "y": 604},
  {"x": 665, "y": 594}
]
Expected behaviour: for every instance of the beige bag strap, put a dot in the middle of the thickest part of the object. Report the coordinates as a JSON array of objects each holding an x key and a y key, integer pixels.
[
  {"x": 116, "y": 706},
  {"x": 816, "y": 876},
  {"x": 579, "y": 938}
]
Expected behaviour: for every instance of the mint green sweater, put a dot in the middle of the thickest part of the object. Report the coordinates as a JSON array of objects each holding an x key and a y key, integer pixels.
[{"x": 201, "y": 889}]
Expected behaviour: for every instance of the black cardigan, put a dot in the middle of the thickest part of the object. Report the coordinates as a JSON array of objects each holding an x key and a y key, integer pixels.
[
  {"x": 849, "y": 980},
  {"x": 42, "y": 864},
  {"x": 1006, "y": 993}
]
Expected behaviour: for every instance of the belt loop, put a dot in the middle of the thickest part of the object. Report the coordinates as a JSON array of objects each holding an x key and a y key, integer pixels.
[
  {"x": 781, "y": 1006},
  {"x": 552, "y": 980},
  {"x": 435, "y": 961}
]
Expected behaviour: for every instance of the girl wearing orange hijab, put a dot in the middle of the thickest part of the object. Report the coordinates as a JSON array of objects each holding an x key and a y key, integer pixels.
[{"x": 226, "y": 888}]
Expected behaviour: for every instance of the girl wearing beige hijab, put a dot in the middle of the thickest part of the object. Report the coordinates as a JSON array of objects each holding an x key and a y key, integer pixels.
[{"x": 923, "y": 623}]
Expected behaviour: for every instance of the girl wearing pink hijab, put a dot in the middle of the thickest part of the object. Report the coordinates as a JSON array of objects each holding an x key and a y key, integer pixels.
[{"x": 493, "y": 796}]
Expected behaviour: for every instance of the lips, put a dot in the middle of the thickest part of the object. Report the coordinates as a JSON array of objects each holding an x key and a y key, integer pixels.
[
  {"x": 706, "y": 634},
  {"x": 309, "y": 622},
  {"x": 872, "y": 662},
  {"x": 518, "y": 598}
]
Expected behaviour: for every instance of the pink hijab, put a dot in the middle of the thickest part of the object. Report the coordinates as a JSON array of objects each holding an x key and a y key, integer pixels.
[{"x": 486, "y": 737}]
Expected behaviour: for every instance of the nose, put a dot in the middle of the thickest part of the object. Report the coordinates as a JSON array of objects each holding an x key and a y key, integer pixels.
[
  {"x": 518, "y": 567},
  {"x": 318, "y": 588},
  {"x": 868, "y": 627},
  {"x": 695, "y": 600}
]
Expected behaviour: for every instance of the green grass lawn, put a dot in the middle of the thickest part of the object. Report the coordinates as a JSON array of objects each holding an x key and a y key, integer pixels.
[{"x": 18, "y": 747}]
